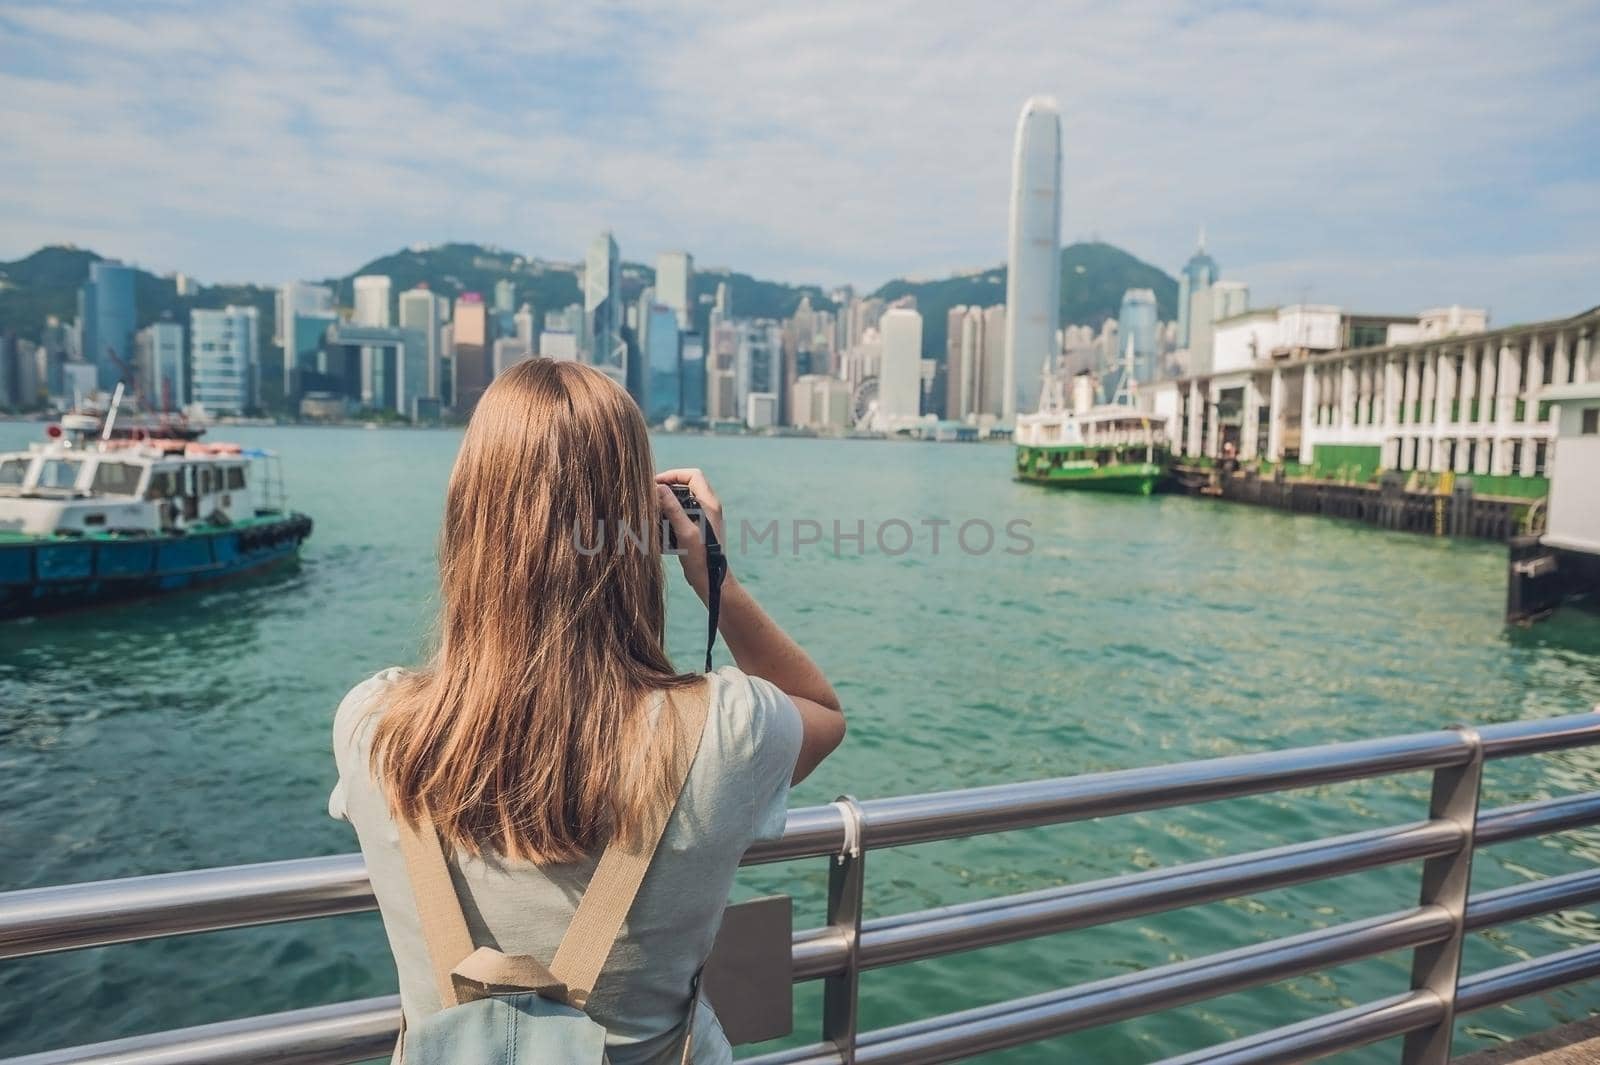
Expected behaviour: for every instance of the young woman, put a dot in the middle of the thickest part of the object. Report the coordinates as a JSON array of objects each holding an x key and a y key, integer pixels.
[{"x": 541, "y": 729}]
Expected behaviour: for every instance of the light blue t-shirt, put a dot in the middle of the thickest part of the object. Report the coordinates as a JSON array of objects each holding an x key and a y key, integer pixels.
[{"x": 737, "y": 793}]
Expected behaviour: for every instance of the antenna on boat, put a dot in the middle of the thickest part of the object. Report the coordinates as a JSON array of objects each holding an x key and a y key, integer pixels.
[{"x": 111, "y": 415}]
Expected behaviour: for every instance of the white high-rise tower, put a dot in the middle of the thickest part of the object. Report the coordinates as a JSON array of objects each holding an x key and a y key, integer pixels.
[{"x": 1033, "y": 282}]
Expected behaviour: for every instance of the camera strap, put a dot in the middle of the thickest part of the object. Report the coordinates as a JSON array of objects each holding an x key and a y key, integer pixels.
[{"x": 716, "y": 570}]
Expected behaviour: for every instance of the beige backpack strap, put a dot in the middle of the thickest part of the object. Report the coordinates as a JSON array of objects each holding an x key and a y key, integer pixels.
[
  {"x": 604, "y": 906},
  {"x": 444, "y": 926}
]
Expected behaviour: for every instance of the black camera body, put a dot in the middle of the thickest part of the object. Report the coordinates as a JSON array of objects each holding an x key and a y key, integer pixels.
[{"x": 691, "y": 506}]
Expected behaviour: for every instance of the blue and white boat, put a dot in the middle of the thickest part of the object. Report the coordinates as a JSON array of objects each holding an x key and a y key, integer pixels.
[{"x": 98, "y": 513}]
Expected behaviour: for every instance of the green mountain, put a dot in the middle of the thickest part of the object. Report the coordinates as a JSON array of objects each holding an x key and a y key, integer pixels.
[
  {"x": 47, "y": 282},
  {"x": 1093, "y": 278},
  {"x": 451, "y": 269}
]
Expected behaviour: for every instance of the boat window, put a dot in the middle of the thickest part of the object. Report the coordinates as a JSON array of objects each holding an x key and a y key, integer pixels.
[
  {"x": 235, "y": 477},
  {"x": 117, "y": 478},
  {"x": 59, "y": 473},
  {"x": 163, "y": 485},
  {"x": 205, "y": 480},
  {"x": 13, "y": 471}
]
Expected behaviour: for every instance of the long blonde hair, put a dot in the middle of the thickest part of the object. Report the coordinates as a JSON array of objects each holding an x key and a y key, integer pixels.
[{"x": 529, "y": 734}]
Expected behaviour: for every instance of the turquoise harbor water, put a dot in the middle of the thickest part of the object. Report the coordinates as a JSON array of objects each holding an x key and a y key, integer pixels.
[{"x": 193, "y": 731}]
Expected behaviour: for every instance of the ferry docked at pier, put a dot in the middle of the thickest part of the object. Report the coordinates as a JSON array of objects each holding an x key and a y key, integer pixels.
[
  {"x": 1110, "y": 447},
  {"x": 101, "y": 511}
]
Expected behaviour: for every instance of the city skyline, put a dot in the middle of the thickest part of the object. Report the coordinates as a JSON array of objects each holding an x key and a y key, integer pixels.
[{"x": 318, "y": 119}]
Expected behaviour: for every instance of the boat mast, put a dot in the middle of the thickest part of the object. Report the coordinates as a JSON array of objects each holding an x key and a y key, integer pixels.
[{"x": 111, "y": 415}]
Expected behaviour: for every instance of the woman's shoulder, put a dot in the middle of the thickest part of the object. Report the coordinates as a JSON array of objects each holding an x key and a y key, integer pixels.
[
  {"x": 362, "y": 704},
  {"x": 754, "y": 714}
]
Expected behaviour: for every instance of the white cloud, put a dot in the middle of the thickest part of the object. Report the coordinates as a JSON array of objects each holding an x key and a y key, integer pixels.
[{"x": 1389, "y": 154}]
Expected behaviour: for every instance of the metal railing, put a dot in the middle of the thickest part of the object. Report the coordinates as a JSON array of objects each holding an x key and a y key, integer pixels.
[{"x": 46, "y": 920}]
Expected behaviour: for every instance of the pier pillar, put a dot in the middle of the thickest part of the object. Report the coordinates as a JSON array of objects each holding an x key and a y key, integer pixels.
[
  {"x": 1391, "y": 392},
  {"x": 1308, "y": 414},
  {"x": 1469, "y": 384},
  {"x": 1275, "y": 416},
  {"x": 1249, "y": 425},
  {"x": 1563, "y": 368},
  {"x": 1445, "y": 386},
  {"x": 1528, "y": 464},
  {"x": 1583, "y": 370},
  {"x": 1197, "y": 420},
  {"x": 1535, "y": 381},
  {"x": 1488, "y": 358},
  {"x": 1426, "y": 393},
  {"x": 1510, "y": 382},
  {"x": 1413, "y": 385},
  {"x": 1347, "y": 394}
]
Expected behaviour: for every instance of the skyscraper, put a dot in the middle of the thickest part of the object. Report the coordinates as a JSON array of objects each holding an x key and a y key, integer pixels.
[
  {"x": 1199, "y": 273},
  {"x": 159, "y": 346},
  {"x": 222, "y": 358},
  {"x": 990, "y": 374},
  {"x": 1136, "y": 325},
  {"x": 107, "y": 314},
  {"x": 505, "y": 295},
  {"x": 675, "y": 285},
  {"x": 1033, "y": 282},
  {"x": 663, "y": 369},
  {"x": 472, "y": 367},
  {"x": 956, "y": 368},
  {"x": 297, "y": 300},
  {"x": 423, "y": 311},
  {"x": 372, "y": 300},
  {"x": 900, "y": 379},
  {"x": 722, "y": 373},
  {"x": 692, "y": 359},
  {"x": 602, "y": 306}
]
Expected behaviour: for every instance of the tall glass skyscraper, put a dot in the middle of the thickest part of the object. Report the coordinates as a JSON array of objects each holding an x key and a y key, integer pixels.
[
  {"x": 1033, "y": 281},
  {"x": 663, "y": 379},
  {"x": 1199, "y": 273},
  {"x": 602, "y": 305},
  {"x": 472, "y": 365},
  {"x": 1136, "y": 325},
  {"x": 692, "y": 359},
  {"x": 222, "y": 356},
  {"x": 107, "y": 314},
  {"x": 675, "y": 285}
]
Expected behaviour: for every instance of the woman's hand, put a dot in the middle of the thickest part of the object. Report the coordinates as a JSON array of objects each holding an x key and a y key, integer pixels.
[{"x": 691, "y": 545}]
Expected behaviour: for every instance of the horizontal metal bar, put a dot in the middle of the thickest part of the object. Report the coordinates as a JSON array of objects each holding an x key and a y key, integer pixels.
[
  {"x": 809, "y": 832},
  {"x": 949, "y": 929},
  {"x": 1521, "y": 901},
  {"x": 1513, "y": 738},
  {"x": 323, "y": 1035},
  {"x": 1539, "y": 818},
  {"x": 41, "y": 920},
  {"x": 1523, "y": 978},
  {"x": 959, "y": 1035},
  {"x": 1005, "y": 807},
  {"x": 1321, "y": 1036}
]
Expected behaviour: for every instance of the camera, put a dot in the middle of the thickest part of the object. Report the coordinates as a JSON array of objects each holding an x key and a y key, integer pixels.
[{"x": 691, "y": 506}]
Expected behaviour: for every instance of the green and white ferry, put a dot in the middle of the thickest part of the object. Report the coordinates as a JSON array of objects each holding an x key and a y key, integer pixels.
[{"x": 1112, "y": 447}]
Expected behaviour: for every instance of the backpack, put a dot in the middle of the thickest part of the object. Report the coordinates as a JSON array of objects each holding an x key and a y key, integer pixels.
[{"x": 502, "y": 1009}]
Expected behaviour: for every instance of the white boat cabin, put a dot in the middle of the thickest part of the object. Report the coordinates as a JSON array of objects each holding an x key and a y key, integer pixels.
[
  {"x": 138, "y": 488},
  {"x": 1104, "y": 426}
]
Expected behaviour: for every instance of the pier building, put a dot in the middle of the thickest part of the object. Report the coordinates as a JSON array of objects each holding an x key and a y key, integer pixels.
[{"x": 1305, "y": 387}]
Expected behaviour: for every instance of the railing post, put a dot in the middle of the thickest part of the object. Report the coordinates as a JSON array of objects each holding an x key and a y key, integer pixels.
[
  {"x": 840, "y": 996},
  {"x": 1445, "y": 882}
]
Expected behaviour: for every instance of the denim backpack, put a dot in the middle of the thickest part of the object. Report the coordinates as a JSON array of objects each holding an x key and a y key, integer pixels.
[{"x": 502, "y": 1009}]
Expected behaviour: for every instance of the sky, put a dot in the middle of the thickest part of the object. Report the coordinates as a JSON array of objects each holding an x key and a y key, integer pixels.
[{"x": 1381, "y": 156}]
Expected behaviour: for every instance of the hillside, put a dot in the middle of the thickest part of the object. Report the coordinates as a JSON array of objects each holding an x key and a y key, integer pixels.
[
  {"x": 1093, "y": 278},
  {"x": 47, "y": 282}
]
